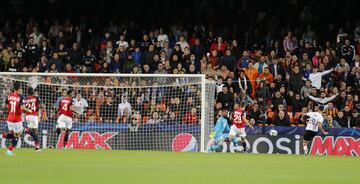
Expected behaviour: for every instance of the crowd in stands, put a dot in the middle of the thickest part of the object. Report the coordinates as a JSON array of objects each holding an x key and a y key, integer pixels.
[{"x": 280, "y": 73}]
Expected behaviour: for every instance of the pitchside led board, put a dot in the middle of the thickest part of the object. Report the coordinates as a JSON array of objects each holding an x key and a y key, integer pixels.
[{"x": 182, "y": 138}]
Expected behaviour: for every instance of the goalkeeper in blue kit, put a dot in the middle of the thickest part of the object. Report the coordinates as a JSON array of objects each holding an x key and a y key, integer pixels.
[{"x": 217, "y": 135}]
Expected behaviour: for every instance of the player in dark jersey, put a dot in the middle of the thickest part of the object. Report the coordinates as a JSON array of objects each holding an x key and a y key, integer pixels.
[
  {"x": 15, "y": 107},
  {"x": 66, "y": 111},
  {"x": 32, "y": 119}
]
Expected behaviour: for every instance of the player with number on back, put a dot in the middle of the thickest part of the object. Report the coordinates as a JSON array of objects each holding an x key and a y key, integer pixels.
[
  {"x": 314, "y": 122},
  {"x": 66, "y": 111},
  {"x": 32, "y": 119},
  {"x": 238, "y": 127},
  {"x": 216, "y": 135},
  {"x": 14, "y": 121}
]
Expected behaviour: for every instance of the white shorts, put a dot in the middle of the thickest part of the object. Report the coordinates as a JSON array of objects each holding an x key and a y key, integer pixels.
[
  {"x": 32, "y": 121},
  {"x": 64, "y": 122},
  {"x": 15, "y": 127},
  {"x": 237, "y": 131}
]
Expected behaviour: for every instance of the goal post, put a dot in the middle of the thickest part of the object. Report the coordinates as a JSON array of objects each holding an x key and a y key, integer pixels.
[{"x": 120, "y": 111}]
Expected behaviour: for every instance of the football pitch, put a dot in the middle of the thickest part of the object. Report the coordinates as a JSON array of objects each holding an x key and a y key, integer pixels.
[{"x": 103, "y": 167}]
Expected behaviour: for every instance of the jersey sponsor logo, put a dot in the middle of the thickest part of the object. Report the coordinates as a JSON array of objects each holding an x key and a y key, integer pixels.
[
  {"x": 87, "y": 140},
  {"x": 184, "y": 142},
  {"x": 348, "y": 146}
]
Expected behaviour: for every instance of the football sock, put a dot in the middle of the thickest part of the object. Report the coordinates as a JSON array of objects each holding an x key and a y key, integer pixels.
[
  {"x": 66, "y": 137},
  {"x": 8, "y": 136},
  {"x": 34, "y": 135},
  {"x": 244, "y": 145},
  {"x": 58, "y": 131},
  {"x": 234, "y": 140},
  {"x": 14, "y": 142},
  {"x": 305, "y": 149}
]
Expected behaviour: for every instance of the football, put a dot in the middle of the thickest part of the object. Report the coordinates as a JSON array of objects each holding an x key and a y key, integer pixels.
[{"x": 273, "y": 132}]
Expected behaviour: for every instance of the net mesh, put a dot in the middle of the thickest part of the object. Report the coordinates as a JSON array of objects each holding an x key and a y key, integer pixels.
[{"x": 132, "y": 112}]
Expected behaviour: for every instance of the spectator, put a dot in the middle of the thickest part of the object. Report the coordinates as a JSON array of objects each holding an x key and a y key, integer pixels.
[
  {"x": 5, "y": 56},
  {"x": 244, "y": 83},
  {"x": 280, "y": 120},
  {"x": 122, "y": 42},
  {"x": 75, "y": 55},
  {"x": 123, "y": 106},
  {"x": 155, "y": 119},
  {"x": 244, "y": 61},
  {"x": 348, "y": 50},
  {"x": 256, "y": 116},
  {"x": 80, "y": 105},
  {"x": 297, "y": 103},
  {"x": 56, "y": 61},
  {"x": 38, "y": 36},
  {"x": 355, "y": 119},
  {"x": 290, "y": 42},
  {"x": 331, "y": 110},
  {"x": 323, "y": 99},
  {"x": 330, "y": 123},
  {"x": 316, "y": 77},
  {"x": 228, "y": 60},
  {"x": 183, "y": 43},
  {"x": 225, "y": 98},
  {"x": 261, "y": 65},
  {"x": 220, "y": 46},
  {"x": 171, "y": 119},
  {"x": 190, "y": 117},
  {"x": 108, "y": 111},
  {"x": 252, "y": 74},
  {"x": 276, "y": 69},
  {"x": 267, "y": 76}
]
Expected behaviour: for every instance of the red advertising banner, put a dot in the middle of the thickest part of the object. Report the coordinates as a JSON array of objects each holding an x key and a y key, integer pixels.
[{"x": 330, "y": 145}]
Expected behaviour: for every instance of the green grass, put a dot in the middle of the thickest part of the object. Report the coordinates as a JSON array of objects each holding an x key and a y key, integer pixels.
[{"x": 103, "y": 167}]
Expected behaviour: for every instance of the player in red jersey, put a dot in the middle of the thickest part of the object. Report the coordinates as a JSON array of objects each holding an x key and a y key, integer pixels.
[
  {"x": 238, "y": 126},
  {"x": 66, "y": 111},
  {"x": 14, "y": 121},
  {"x": 32, "y": 119}
]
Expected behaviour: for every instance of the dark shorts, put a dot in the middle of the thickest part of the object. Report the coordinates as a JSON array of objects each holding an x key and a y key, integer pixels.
[{"x": 309, "y": 135}]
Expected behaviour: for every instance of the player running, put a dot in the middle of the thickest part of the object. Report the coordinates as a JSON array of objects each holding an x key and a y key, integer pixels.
[
  {"x": 217, "y": 134},
  {"x": 66, "y": 111},
  {"x": 32, "y": 119},
  {"x": 238, "y": 127},
  {"x": 14, "y": 121},
  {"x": 314, "y": 122}
]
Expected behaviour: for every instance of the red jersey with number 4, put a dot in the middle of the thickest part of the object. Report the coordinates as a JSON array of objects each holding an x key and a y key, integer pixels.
[
  {"x": 65, "y": 105},
  {"x": 238, "y": 118},
  {"x": 14, "y": 101},
  {"x": 32, "y": 103}
]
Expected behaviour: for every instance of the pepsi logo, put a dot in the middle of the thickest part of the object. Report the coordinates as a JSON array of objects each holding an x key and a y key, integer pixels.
[{"x": 184, "y": 142}]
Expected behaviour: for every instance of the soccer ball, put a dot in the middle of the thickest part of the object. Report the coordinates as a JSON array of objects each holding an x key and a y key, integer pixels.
[{"x": 273, "y": 132}]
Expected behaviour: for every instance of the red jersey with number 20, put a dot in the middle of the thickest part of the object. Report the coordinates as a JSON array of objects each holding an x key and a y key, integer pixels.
[
  {"x": 238, "y": 118},
  {"x": 32, "y": 103},
  {"x": 65, "y": 105},
  {"x": 14, "y": 101}
]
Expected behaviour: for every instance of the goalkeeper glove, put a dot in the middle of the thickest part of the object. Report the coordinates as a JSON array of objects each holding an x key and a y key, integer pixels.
[{"x": 212, "y": 135}]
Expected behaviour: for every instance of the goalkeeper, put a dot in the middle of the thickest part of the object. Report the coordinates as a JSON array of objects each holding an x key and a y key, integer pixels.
[{"x": 217, "y": 135}]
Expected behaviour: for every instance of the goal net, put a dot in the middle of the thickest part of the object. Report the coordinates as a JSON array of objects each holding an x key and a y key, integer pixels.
[{"x": 120, "y": 111}]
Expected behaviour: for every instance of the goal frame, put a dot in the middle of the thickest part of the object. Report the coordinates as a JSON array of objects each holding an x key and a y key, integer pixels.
[{"x": 201, "y": 76}]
